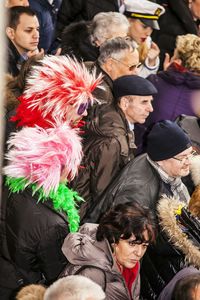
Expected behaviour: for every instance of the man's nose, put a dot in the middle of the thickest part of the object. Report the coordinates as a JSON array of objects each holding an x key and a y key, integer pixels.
[
  {"x": 36, "y": 34},
  {"x": 150, "y": 107}
]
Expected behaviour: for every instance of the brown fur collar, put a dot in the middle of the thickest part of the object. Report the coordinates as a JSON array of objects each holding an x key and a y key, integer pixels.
[
  {"x": 166, "y": 212},
  {"x": 10, "y": 93}
]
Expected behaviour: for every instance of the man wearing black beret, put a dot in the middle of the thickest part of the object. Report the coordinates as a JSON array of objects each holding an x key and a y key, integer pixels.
[{"x": 110, "y": 142}]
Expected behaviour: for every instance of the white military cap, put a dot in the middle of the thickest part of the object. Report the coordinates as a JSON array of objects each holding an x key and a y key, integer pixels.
[{"x": 149, "y": 12}]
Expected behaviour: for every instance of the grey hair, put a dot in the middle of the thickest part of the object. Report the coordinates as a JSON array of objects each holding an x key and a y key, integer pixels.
[
  {"x": 105, "y": 24},
  {"x": 74, "y": 287},
  {"x": 114, "y": 48}
]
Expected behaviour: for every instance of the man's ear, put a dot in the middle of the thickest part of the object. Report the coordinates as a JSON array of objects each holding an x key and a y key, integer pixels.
[
  {"x": 123, "y": 103},
  {"x": 10, "y": 33},
  {"x": 108, "y": 64}
]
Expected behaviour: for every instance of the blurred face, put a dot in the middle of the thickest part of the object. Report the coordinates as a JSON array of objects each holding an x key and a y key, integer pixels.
[
  {"x": 26, "y": 36},
  {"x": 139, "y": 31},
  {"x": 128, "y": 252},
  {"x": 196, "y": 103},
  {"x": 126, "y": 65},
  {"x": 196, "y": 292},
  {"x": 11, "y": 3},
  {"x": 179, "y": 165},
  {"x": 76, "y": 113},
  {"x": 195, "y": 8},
  {"x": 119, "y": 32},
  {"x": 137, "y": 108}
]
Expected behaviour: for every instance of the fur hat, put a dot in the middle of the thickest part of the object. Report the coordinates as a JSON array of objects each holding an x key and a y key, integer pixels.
[
  {"x": 40, "y": 156},
  {"x": 54, "y": 88}
]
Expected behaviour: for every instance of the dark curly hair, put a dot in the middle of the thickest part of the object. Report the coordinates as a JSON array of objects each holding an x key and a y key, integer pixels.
[{"x": 124, "y": 220}]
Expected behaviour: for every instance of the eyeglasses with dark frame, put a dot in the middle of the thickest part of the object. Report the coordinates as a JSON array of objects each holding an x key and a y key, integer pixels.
[
  {"x": 131, "y": 68},
  {"x": 194, "y": 153}
]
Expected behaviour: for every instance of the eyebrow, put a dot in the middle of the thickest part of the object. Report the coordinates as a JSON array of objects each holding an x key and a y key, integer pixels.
[
  {"x": 29, "y": 27},
  {"x": 184, "y": 155}
]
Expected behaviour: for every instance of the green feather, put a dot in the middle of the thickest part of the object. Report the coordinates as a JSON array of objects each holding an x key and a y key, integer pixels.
[{"x": 64, "y": 199}]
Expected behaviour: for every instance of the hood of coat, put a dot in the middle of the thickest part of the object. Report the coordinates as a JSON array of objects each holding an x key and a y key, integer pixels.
[
  {"x": 175, "y": 76},
  {"x": 82, "y": 248},
  {"x": 166, "y": 212}
]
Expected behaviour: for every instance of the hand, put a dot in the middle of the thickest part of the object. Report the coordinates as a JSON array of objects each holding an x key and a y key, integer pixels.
[
  {"x": 58, "y": 52},
  {"x": 153, "y": 53},
  {"x": 34, "y": 52}
]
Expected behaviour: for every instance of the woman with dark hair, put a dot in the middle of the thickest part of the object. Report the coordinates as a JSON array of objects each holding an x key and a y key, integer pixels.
[{"x": 110, "y": 253}]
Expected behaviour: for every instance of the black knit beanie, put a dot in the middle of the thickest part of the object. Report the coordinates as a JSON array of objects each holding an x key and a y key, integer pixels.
[{"x": 165, "y": 140}]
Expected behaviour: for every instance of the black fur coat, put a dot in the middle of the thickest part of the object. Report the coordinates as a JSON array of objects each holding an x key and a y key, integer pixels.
[{"x": 76, "y": 41}]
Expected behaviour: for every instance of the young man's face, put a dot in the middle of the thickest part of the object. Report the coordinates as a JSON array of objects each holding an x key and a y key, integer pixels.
[
  {"x": 11, "y": 3},
  {"x": 26, "y": 35}
]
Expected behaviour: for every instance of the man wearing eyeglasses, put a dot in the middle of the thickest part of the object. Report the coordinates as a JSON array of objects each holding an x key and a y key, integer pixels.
[
  {"x": 118, "y": 57},
  {"x": 147, "y": 177}
]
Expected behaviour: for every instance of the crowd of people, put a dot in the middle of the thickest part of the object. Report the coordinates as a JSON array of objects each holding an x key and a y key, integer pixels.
[{"x": 101, "y": 172}]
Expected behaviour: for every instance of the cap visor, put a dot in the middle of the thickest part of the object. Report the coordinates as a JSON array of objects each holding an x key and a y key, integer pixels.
[{"x": 152, "y": 23}]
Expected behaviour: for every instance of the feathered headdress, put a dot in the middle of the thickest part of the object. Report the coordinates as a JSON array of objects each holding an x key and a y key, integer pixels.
[
  {"x": 56, "y": 87},
  {"x": 41, "y": 159}
]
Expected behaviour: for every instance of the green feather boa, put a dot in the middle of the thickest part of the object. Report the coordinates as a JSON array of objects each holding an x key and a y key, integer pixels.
[{"x": 64, "y": 199}]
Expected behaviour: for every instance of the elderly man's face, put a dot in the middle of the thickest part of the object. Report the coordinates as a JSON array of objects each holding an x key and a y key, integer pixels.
[
  {"x": 177, "y": 166},
  {"x": 126, "y": 65},
  {"x": 136, "y": 108}
]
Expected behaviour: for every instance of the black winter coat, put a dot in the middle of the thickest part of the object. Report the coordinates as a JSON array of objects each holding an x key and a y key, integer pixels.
[
  {"x": 13, "y": 58},
  {"x": 78, "y": 10},
  {"x": 47, "y": 15},
  {"x": 76, "y": 42},
  {"x": 31, "y": 238},
  {"x": 177, "y": 20},
  {"x": 137, "y": 181}
]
